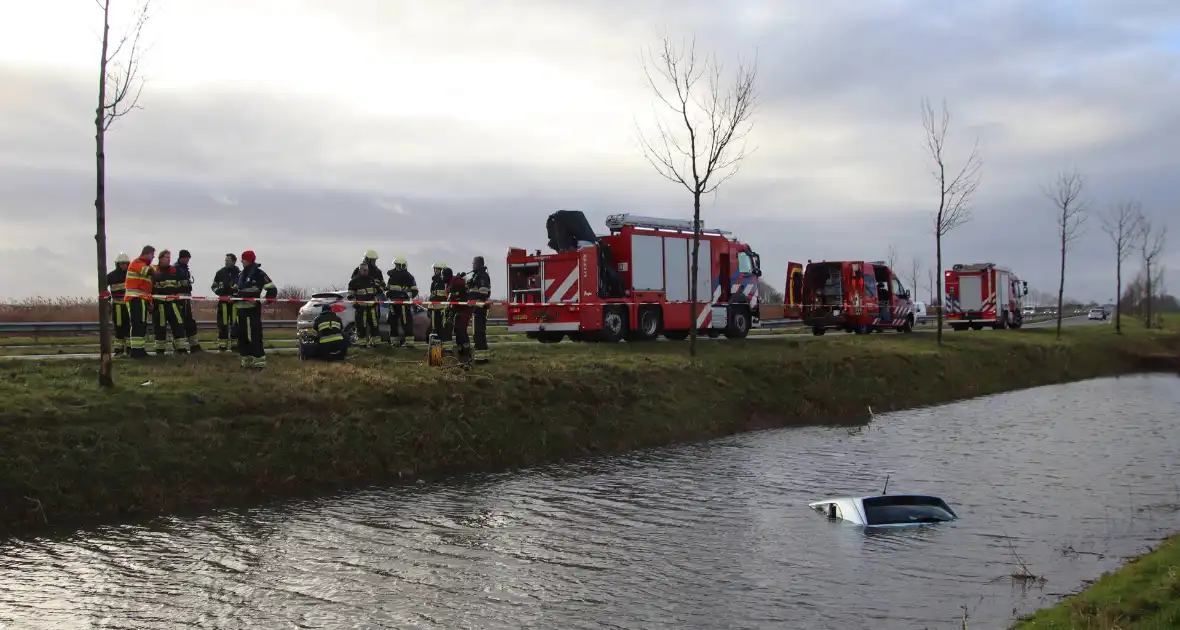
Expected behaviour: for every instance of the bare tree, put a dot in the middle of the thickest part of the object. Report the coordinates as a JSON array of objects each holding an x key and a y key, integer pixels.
[
  {"x": 1151, "y": 245},
  {"x": 1121, "y": 224},
  {"x": 914, "y": 274},
  {"x": 891, "y": 257},
  {"x": 699, "y": 148},
  {"x": 116, "y": 97},
  {"x": 955, "y": 188},
  {"x": 1066, "y": 195}
]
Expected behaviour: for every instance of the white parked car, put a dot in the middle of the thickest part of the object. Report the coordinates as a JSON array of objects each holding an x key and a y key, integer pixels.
[
  {"x": 1097, "y": 313},
  {"x": 921, "y": 315},
  {"x": 338, "y": 301}
]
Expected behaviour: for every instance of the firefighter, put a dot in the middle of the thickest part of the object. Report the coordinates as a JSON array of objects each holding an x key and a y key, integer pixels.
[
  {"x": 401, "y": 286},
  {"x": 480, "y": 288},
  {"x": 361, "y": 289},
  {"x": 370, "y": 259},
  {"x": 116, "y": 286},
  {"x": 225, "y": 285},
  {"x": 438, "y": 312},
  {"x": 165, "y": 289},
  {"x": 456, "y": 293},
  {"x": 137, "y": 294},
  {"x": 327, "y": 341},
  {"x": 253, "y": 282},
  {"x": 185, "y": 286}
]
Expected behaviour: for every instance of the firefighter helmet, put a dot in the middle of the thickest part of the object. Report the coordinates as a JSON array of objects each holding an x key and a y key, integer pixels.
[
  {"x": 400, "y": 261},
  {"x": 371, "y": 254},
  {"x": 122, "y": 258},
  {"x": 440, "y": 265}
]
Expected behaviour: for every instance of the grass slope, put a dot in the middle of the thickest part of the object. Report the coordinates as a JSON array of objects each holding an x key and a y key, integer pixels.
[
  {"x": 1144, "y": 594},
  {"x": 182, "y": 432}
]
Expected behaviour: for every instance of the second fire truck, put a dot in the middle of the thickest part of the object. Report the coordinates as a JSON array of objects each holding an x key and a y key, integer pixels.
[
  {"x": 982, "y": 294},
  {"x": 631, "y": 284}
]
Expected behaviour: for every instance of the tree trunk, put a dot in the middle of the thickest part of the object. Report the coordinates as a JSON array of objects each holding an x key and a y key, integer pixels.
[
  {"x": 1149, "y": 293},
  {"x": 1118, "y": 296},
  {"x": 692, "y": 282},
  {"x": 1061, "y": 282},
  {"x": 938, "y": 277},
  {"x": 106, "y": 376}
]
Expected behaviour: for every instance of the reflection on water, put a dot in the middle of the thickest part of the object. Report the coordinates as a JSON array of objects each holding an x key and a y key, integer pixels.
[{"x": 1069, "y": 478}]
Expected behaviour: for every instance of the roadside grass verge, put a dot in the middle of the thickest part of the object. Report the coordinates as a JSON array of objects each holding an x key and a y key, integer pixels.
[
  {"x": 192, "y": 431},
  {"x": 1143, "y": 594}
]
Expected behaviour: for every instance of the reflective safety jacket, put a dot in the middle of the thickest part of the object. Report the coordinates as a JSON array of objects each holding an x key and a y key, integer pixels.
[
  {"x": 225, "y": 281},
  {"x": 438, "y": 292},
  {"x": 252, "y": 283},
  {"x": 116, "y": 284},
  {"x": 481, "y": 285},
  {"x": 184, "y": 280},
  {"x": 363, "y": 289},
  {"x": 401, "y": 285},
  {"x": 328, "y": 327},
  {"x": 138, "y": 280},
  {"x": 166, "y": 283}
]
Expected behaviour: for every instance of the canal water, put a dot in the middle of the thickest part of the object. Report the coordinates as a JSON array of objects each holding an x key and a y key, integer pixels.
[{"x": 1071, "y": 479}]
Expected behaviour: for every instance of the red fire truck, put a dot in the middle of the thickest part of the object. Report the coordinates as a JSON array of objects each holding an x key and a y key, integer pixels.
[
  {"x": 631, "y": 284},
  {"x": 854, "y": 296},
  {"x": 982, "y": 293}
]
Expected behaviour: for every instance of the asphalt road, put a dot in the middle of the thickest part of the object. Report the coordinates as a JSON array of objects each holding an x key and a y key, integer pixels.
[{"x": 1077, "y": 320}]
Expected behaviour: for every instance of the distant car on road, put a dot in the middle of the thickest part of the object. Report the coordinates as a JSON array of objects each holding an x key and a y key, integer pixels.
[
  {"x": 1096, "y": 313},
  {"x": 921, "y": 314},
  {"x": 338, "y": 301}
]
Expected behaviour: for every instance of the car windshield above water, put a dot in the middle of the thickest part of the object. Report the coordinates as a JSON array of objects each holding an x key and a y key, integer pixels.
[{"x": 887, "y": 510}]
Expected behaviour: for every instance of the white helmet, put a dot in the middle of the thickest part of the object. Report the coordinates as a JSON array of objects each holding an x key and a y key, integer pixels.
[
  {"x": 122, "y": 258},
  {"x": 400, "y": 261},
  {"x": 440, "y": 265},
  {"x": 371, "y": 254}
]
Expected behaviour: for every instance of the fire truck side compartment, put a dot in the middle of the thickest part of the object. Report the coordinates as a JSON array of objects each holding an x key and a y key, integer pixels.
[{"x": 970, "y": 293}]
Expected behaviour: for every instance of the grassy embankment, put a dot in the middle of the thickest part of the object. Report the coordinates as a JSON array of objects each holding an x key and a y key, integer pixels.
[
  {"x": 185, "y": 432},
  {"x": 1143, "y": 594}
]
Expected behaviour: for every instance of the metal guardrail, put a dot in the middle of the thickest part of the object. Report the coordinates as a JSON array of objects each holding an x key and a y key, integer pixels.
[{"x": 34, "y": 329}]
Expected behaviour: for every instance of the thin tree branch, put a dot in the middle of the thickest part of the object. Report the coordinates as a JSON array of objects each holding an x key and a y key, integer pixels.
[{"x": 123, "y": 74}]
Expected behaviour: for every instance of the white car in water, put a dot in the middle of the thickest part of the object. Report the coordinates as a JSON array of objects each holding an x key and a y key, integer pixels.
[{"x": 886, "y": 510}]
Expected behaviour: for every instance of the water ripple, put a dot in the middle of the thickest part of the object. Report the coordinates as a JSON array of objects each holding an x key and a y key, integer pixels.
[{"x": 1069, "y": 478}]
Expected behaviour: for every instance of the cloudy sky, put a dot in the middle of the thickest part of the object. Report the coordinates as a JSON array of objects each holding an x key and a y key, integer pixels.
[{"x": 310, "y": 131}]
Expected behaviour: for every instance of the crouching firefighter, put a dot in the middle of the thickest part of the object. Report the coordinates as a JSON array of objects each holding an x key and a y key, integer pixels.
[
  {"x": 438, "y": 306},
  {"x": 225, "y": 285},
  {"x": 325, "y": 341},
  {"x": 116, "y": 287},
  {"x": 252, "y": 283},
  {"x": 401, "y": 288},
  {"x": 457, "y": 296},
  {"x": 481, "y": 290},
  {"x": 362, "y": 291}
]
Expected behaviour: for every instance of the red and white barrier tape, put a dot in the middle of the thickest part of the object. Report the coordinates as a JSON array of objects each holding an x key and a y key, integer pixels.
[{"x": 201, "y": 298}]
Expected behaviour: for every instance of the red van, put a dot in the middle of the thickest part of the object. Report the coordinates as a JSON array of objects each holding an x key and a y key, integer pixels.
[{"x": 855, "y": 296}]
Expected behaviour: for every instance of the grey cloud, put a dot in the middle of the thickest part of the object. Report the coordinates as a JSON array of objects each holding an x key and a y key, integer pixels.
[{"x": 310, "y": 212}]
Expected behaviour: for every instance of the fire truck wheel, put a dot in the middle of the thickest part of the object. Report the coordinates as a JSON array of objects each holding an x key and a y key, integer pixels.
[
  {"x": 818, "y": 331},
  {"x": 649, "y": 325},
  {"x": 738, "y": 325},
  {"x": 976, "y": 326},
  {"x": 614, "y": 324}
]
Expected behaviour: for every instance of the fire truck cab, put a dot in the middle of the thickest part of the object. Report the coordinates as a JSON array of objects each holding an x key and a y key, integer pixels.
[
  {"x": 984, "y": 293},
  {"x": 632, "y": 283},
  {"x": 855, "y": 296}
]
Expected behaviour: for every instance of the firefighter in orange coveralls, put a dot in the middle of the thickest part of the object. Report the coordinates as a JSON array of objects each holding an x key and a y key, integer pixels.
[{"x": 137, "y": 294}]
